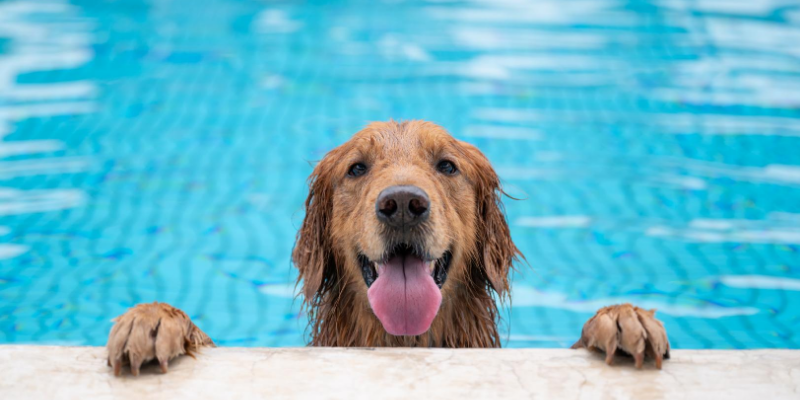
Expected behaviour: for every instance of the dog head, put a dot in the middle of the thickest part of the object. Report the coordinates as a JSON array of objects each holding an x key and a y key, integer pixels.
[{"x": 403, "y": 214}]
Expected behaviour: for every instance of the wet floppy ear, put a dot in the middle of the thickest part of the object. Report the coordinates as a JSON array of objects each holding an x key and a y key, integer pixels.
[
  {"x": 496, "y": 249},
  {"x": 312, "y": 254}
]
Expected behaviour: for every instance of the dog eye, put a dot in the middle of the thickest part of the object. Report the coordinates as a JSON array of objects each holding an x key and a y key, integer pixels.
[
  {"x": 357, "y": 169},
  {"x": 446, "y": 167}
]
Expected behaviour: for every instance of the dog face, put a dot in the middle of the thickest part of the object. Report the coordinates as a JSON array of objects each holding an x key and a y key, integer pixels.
[{"x": 404, "y": 215}]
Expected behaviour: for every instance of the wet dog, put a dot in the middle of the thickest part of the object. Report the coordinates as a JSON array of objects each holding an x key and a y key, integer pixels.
[{"x": 404, "y": 243}]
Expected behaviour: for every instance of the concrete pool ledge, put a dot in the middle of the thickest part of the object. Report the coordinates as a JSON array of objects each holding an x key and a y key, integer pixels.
[{"x": 46, "y": 372}]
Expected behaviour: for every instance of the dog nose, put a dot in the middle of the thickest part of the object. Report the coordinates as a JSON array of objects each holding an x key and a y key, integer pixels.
[{"x": 402, "y": 206}]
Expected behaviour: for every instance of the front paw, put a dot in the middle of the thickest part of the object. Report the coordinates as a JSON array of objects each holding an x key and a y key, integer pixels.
[
  {"x": 152, "y": 331},
  {"x": 630, "y": 329}
]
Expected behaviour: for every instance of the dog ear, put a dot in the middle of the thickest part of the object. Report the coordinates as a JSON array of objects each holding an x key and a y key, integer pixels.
[
  {"x": 313, "y": 255},
  {"x": 496, "y": 250}
]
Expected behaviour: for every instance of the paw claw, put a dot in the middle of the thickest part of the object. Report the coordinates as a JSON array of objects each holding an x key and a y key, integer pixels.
[
  {"x": 632, "y": 330},
  {"x": 639, "y": 357},
  {"x": 152, "y": 331},
  {"x": 136, "y": 363}
]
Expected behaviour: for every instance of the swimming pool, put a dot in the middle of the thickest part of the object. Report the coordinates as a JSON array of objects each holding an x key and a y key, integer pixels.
[{"x": 158, "y": 150}]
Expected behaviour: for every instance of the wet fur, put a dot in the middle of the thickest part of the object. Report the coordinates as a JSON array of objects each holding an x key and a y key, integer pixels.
[{"x": 467, "y": 218}]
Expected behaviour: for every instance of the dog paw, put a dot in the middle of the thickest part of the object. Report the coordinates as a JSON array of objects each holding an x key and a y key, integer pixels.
[
  {"x": 627, "y": 329},
  {"x": 154, "y": 331}
]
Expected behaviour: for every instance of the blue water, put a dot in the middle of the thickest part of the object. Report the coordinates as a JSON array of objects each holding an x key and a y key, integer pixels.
[{"x": 158, "y": 150}]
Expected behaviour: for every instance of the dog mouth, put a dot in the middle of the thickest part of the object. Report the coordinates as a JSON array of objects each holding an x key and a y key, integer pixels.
[
  {"x": 439, "y": 267},
  {"x": 404, "y": 288}
]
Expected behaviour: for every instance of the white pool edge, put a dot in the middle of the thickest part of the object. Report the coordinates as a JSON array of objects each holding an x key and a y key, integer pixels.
[{"x": 45, "y": 372}]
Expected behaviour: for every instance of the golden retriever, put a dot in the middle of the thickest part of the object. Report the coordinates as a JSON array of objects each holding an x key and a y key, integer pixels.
[{"x": 404, "y": 243}]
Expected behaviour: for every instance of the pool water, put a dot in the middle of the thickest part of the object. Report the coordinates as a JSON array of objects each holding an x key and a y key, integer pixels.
[{"x": 158, "y": 150}]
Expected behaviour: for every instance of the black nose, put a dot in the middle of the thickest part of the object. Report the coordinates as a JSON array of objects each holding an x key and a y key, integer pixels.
[{"x": 402, "y": 206}]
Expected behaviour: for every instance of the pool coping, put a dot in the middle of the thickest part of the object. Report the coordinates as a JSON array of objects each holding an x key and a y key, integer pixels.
[{"x": 32, "y": 371}]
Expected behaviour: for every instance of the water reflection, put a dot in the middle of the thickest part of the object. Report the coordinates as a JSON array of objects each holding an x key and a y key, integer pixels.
[
  {"x": 41, "y": 38},
  {"x": 159, "y": 150}
]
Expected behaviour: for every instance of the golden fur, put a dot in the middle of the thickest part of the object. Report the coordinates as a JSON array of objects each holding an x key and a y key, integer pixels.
[
  {"x": 466, "y": 219},
  {"x": 340, "y": 222}
]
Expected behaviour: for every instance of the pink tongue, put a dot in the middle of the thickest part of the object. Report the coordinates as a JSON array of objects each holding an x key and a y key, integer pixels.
[{"x": 404, "y": 297}]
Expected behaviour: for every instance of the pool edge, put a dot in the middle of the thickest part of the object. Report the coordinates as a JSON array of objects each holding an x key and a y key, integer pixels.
[{"x": 34, "y": 371}]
